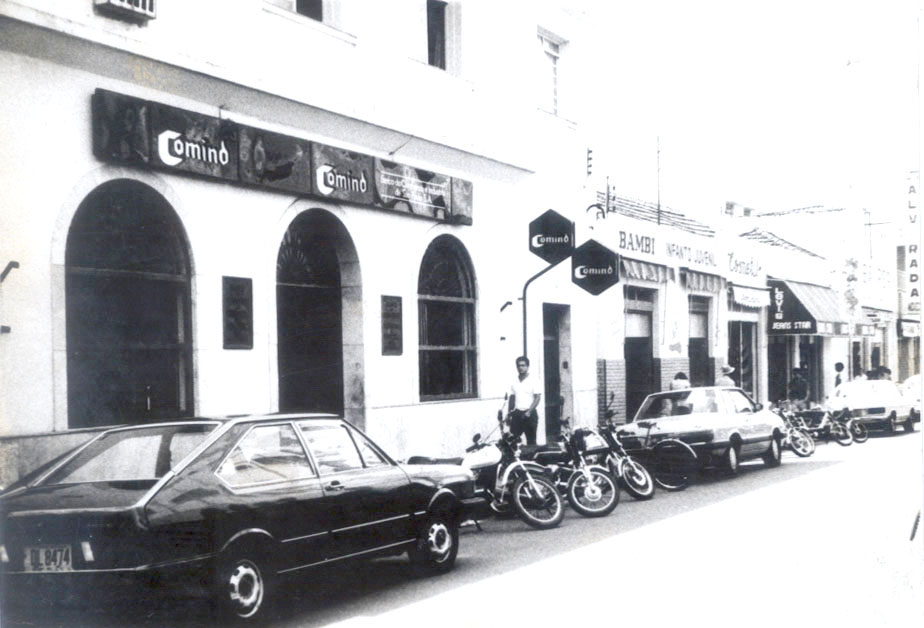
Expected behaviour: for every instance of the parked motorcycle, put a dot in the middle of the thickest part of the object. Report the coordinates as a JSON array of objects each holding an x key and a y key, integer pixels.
[
  {"x": 590, "y": 489},
  {"x": 506, "y": 482},
  {"x": 859, "y": 431},
  {"x": 631, "y": 473}
]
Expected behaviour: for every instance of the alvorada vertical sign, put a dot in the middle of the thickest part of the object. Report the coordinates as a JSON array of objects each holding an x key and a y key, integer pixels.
[{"x": 134, "y": 131}]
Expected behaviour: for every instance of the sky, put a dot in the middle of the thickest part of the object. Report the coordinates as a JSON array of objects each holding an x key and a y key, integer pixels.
[{"x": 775, "y": 105}]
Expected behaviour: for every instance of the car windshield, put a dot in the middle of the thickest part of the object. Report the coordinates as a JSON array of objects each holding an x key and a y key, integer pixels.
[
  {"x": 143, "y": 453},
  {"x": 678, "y": 403}
]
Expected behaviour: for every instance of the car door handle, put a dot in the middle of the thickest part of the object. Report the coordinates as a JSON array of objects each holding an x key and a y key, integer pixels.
[{"x": 335, "y": 486}]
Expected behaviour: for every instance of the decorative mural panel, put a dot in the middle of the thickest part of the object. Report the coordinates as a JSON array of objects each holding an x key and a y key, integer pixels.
[
  {"x": 274, "y": 160},
  {"x": 462, "y": 201},
  {"x": 412, "y": 190},
  {"x": 121, "y": 128}
]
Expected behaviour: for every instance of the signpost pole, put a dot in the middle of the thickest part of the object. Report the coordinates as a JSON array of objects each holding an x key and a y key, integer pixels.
[{"x": 525, "y": 286}]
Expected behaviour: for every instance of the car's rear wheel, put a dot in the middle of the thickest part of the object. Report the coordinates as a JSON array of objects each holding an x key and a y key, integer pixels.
[
  {"x": 243, "y": 583},
  {"x": 773, "y": 457},
  {"x": 909, "y": 424},
  {"x": 437, "y": 546}
]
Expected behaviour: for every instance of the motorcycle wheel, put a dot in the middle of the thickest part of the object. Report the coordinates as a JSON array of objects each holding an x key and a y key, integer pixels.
[
  {"x": 801, "y": 444},
  {"x": 537, "y": 502},
  {"x": 594, "y": 498},
  {"x": 859, "y": 432},
  {"x": 673, "y": 462},
  {"x": 841, "y": 434},
  {"x": 635, "y": 478}
]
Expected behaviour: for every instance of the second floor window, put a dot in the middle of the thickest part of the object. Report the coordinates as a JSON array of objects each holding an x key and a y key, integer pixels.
[
  {"x": 436, "y": 33},
  {"x": 310, "y": 8},
  {"x": 549, "y": 56}
]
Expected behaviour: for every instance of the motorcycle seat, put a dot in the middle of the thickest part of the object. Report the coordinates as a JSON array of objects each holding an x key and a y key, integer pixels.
[{"x": 429, "y": 460}]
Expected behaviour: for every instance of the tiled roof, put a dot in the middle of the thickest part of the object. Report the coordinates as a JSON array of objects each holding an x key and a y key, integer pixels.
[
  {"x": 771, "y": 239},
  {"x": 813, "y": 209},
  {"x": 650, "y": 212}
]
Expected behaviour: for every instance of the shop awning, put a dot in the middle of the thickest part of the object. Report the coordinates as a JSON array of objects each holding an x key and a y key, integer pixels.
[
  {"x": 701, "y": 281},
  {"x": 750, "y": 297},
  {"x": 803, "y": 308},
  {"x": 646, "y": 271}
]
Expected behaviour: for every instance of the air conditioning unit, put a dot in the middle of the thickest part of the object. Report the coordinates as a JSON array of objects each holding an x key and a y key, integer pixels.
[{"x": 132, "y": 10}]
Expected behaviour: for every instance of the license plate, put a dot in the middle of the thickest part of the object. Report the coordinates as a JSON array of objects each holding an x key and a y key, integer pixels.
[{"x": 48, "y": 558}]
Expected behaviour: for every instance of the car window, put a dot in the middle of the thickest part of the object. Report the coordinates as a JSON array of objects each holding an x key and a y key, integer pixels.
[
  {"x": 738, "y": 401},
  {"x": 370, "y": 455},
  {"x": 679, "y": 403},
  {"x": 144, "y": 453},
  {"x": 267, "y": 453},
  {"x": 332, "y": 448}
]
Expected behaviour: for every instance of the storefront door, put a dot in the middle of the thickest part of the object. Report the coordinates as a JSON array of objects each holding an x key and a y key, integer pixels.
[
  {"x": 742, "y": 347},
  {"x": 640, "y": 380},
  {"x": 556, "y": 356}
]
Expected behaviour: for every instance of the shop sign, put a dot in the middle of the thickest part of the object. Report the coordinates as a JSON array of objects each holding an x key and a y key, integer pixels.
[
  {"x": 594, "y": 267},
  {"x": 667, "y": 247},
  {"x": 462, "y": 201},
  {"x": 744, "y": 268},
  {"x": 910, "y": 271},
  {"x": 191, "y": 142},
  {"x": 787, "y": 314},
  {"x": 411, "y": 190},
  {"x": 551, "y": 237},
  {"x": 133, "y": 131},
  {"x": 274, "y": 160},
  {"x": 342, "y": 174},
  {"x": 861, "y": 329},
  {"x": 909, "y": 329}
]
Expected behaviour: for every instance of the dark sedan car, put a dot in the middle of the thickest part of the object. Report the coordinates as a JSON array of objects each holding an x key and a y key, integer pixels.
[{"x": 225, "y": 506}]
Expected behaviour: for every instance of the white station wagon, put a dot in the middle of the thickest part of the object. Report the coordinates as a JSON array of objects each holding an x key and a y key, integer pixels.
[{"x": 723, "y": 425}]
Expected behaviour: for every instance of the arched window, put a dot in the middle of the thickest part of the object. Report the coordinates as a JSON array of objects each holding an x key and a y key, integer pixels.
[
  {"x": 446, "y": 310},
  {"x": 129, "y": 346}
]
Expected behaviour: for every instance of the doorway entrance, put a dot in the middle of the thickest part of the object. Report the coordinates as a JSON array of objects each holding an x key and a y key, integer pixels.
[
  {"x": 556, "y": 347},
  {"x": 309, "y": 317}
]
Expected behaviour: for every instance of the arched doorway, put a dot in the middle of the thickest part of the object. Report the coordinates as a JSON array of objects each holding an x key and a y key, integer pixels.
[
  {"x": 127, "y": 287},
  {"x": 315, "y": 268}
]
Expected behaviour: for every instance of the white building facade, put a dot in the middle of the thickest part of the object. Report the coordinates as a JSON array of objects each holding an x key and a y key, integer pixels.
[{"x": 219, "y": 208}]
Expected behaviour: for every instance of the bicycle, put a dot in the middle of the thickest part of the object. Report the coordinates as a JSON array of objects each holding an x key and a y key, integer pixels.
[{"x": 670, "y": 461}]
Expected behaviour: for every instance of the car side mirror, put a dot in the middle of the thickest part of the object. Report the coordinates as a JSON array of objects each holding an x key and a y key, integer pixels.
[
  {"x": 758, "y": 407},
  {"x": 476, "y": 437}
]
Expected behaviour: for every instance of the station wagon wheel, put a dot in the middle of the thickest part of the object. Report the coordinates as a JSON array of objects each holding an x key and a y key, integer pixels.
[
  {"x": 242, "y": 584},
  {"x": 437, "y": 546}
]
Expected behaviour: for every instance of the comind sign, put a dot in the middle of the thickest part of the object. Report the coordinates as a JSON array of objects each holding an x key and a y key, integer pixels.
[
  {"x": 551, "y": 237},
  {"x": 594, "y": 267}
]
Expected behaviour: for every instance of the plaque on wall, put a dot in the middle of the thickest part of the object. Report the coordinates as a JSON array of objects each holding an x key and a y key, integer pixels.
[
  {"x": 274, "y": 160},
  {"x": 342, "y": 174},
  {"x": 392, "y": 333},
  {"x": 411, "y": 190},
  {"x": 237, "y": 305}
]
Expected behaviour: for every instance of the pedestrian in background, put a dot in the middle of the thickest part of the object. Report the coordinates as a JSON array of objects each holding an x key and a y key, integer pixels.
[
  {"x": 838, "y": 368},
  {"x": 725, "y": 379},
  {"x": 680, "y": 381},
  {"x": 524, "y": 397},
  {"x": 799, "y": 390}
]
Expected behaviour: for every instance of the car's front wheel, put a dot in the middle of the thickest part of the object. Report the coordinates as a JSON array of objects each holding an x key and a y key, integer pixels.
[
  {"x": 243, "y": 583},
  {"x": 773, "y": 457},
  {"x": 438, "y": 544}
]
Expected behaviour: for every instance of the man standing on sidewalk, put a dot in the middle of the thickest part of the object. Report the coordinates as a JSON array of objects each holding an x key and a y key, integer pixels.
[{"x": 524, "y": 397}]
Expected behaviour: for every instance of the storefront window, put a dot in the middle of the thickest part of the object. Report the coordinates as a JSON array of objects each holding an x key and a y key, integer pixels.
[
  {"x": 446, "y": 310},
  {"x": 129, "y": 348}
]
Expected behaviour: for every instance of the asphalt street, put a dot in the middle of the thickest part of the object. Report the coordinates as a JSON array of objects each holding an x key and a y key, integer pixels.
[{"x": 822, "y": 540}]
